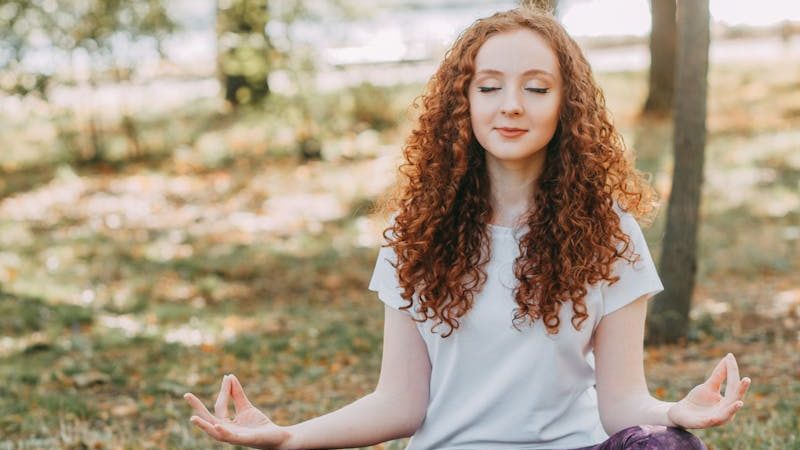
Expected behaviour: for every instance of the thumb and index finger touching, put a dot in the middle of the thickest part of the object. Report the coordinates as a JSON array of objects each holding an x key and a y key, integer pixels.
[
  {"x": 728, "y": 370},
  {"x": 230, "y": 388},
  {"x": 240, "y": 400}
]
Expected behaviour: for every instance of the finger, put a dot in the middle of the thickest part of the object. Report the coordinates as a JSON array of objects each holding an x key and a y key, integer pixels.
[
  {"x": 227, "y": 435},
  {"x": 723, "y": 414},
  {"x": 200, "y": 408},
  {"x": 729, "y": 411},
  {"x": 732, "y": 385},
  {"x": 717, "y": 375},
  {"x": 240, "y": 400},
  {"x": 221, "y": 405},
  {"x": 207, "y": 427},
  {"x": 744, "y": 385}
]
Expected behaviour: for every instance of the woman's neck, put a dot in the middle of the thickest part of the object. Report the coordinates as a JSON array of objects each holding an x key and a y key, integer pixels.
[{"x": 513, "y": 184}]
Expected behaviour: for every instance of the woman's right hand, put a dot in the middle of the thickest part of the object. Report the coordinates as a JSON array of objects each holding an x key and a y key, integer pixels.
[{"x": 249, "y": 426}]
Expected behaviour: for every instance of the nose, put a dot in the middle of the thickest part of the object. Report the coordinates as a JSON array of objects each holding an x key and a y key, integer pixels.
[{"x": 511, "y": 106}]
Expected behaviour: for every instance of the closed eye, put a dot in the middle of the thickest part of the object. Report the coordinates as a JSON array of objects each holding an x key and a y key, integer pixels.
[{"x": 536, "y": 90}]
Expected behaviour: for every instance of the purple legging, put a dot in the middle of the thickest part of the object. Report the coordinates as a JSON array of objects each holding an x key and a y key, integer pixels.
[{"x": 650, "y": 437}]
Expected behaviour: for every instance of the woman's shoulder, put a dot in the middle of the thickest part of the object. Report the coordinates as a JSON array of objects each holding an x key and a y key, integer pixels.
[{"x": 626, "y": 219}]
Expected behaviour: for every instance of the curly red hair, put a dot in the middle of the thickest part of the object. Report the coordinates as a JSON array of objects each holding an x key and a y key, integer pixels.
[{"x": 440, "y": 233}]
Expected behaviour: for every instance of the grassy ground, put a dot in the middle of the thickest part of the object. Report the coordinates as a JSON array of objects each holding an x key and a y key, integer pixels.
[{"x": 122, "y": 286}]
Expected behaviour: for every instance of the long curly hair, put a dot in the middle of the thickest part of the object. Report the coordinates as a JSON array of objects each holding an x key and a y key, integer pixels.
[{"x": 441, "y": 201}]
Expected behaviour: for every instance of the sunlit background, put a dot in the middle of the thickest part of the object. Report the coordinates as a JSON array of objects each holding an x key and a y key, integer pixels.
[{"x": 388, "y": 31}]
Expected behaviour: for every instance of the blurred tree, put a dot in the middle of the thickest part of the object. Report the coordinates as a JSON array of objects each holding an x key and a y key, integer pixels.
[
  {"x": 299, "y": 61},
  {"x": 662, "y": 58},
  {"x": 70, "y": 30},
  {"x": 668, "y": 320},
  {"x": 243, "y": 50},
  {"x": 547, "y": 5},
  {"x": 52, "y": 28}
]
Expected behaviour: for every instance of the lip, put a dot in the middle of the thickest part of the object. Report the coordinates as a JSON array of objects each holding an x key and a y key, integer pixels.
[{"x": 511, "y": 132}]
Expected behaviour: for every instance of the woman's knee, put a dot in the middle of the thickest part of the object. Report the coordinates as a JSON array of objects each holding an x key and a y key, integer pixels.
[{"x": 666, "y": 438}]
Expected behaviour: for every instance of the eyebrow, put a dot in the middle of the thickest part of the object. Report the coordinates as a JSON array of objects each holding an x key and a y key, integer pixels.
[{"x": 527, "y": 72}]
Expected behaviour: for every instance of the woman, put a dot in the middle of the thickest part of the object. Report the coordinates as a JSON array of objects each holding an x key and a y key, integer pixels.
[{"x": 515, "y": 276}]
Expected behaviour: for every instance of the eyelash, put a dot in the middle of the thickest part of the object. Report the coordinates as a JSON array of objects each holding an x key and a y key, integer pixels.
[{"x": 537, "y": 90}]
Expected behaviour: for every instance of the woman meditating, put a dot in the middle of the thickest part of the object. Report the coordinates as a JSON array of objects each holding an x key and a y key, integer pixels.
[{"x": 515, "y": 276}]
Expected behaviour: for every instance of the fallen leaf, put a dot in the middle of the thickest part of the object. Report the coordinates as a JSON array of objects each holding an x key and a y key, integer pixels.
[
  {"x": 90, "y": 378},
  {"x": 660, "y": 393},
  {"x": 125, "y": 407}
]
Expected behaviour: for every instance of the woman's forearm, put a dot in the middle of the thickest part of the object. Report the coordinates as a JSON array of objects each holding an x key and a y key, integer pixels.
[
  {"x": 635, "y": 410},
  {"x": 373, "y": 419}
]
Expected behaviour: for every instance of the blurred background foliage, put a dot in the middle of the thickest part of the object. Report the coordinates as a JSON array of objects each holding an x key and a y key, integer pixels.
[{"x": 186, "y": 190}]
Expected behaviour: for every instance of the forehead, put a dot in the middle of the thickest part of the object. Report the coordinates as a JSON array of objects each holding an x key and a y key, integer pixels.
[{"x": 515, "y": 52}]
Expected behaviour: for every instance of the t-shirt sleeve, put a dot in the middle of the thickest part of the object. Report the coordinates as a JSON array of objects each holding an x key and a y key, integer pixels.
[
  {"x": 635, "y": 279},
  {"x": 384, "y": 280}
]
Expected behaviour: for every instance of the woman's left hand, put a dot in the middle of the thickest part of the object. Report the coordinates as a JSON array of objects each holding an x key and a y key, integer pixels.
[{"x": 704, "y": 407}]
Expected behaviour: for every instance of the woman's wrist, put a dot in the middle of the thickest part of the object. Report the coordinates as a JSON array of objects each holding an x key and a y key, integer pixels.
[
  {"x": 667, "y": 419},
  {"x": 292, "y": 441},
  {"x": 656, "y": 412}
]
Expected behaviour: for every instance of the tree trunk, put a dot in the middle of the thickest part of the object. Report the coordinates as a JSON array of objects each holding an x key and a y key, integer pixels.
[
  {"x": 127, "y": 123},
  {"x": 96, "y": 150},
  {"x": 662, "y": 58},
  {"x": 243, "y": 50},
  {"x": 669, "y": 316}
]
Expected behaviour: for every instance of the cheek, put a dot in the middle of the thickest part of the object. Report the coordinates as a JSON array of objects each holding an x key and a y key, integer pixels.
[
  {"x": 544, "y": 108},
  {"x": 546, "y": 113},
  {"x": 480, "y": 125},
  {"x": 480, "y": 106},
  {"x": 480, "y": 115},
  {"x": 479, "y": 130}
]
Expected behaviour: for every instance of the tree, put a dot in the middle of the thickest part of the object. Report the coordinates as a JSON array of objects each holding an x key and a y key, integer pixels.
[
  {"x": 243, "y": 53},
  {"x": 299, "y": 61},
  {"x": 662, "y": 58},
  {"x": 65, "y": 28},
  {"x": 547, "y": 5},
  {"x": 669, "y": 316}
]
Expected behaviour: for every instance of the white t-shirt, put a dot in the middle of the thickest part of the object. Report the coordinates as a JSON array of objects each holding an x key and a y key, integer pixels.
[{"x": 493, "y": 387}]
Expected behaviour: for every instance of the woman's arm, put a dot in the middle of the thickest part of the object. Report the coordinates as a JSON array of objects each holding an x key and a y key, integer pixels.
[
  {"x": 622, "y": 393},
  {"x": 623, "y": 396},
  {"x": 397, "y": 407}
]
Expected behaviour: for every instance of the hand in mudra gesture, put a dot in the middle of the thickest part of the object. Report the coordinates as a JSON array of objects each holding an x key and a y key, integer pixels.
[
  {"x": 704, "y": 407},
  {"x": 248, "y": 426}
]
